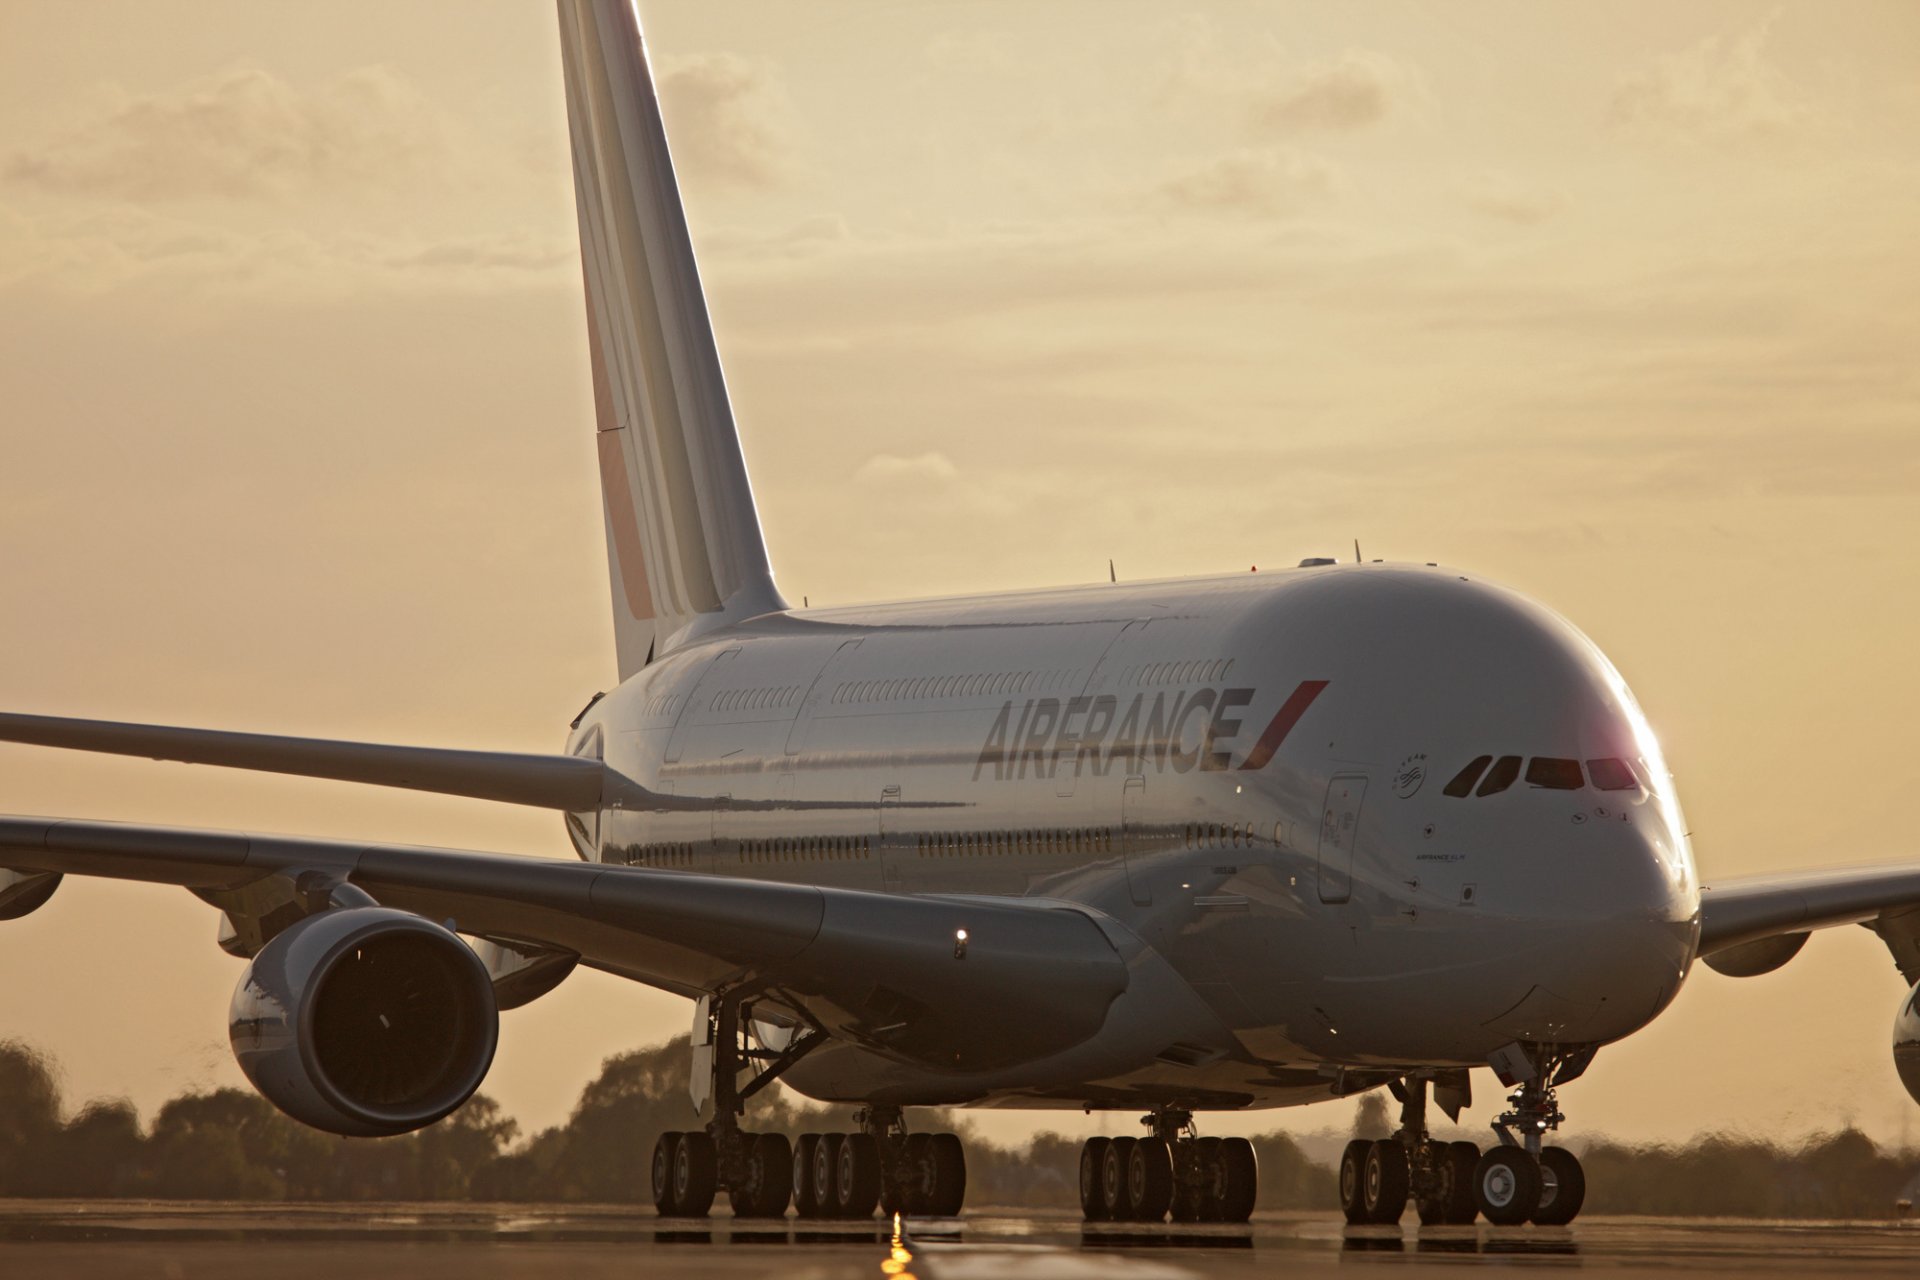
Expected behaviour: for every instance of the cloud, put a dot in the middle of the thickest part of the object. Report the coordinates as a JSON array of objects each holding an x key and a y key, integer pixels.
[
  {"x": 1356, "y": 91},
  {"x": 727, "y": 117},
  {"x": 1262, "y": 183},
  {"x": 1722, "y": 89},
  {"x": 244, "y": 134},
  {"x": 926, "y": 469},
  {"x": 1506, "y": 198}
]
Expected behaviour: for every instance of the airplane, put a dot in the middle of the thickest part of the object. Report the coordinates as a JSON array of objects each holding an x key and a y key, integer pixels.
[{"x": 1171, "y": 847}]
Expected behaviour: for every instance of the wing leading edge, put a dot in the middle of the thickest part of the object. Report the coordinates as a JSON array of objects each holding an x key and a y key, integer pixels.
[
  {"x": 1754, "y": 924},
  {"x": 543, "y": 781},
  {"x": 879, "y": 969}
]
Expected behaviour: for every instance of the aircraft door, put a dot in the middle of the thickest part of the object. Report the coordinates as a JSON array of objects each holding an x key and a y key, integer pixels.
[
  {"x": 1339, "y": 829},
  {"x": 1133, "y": 841},
  {"x": 818, "y": 691},
  {"x": 703, "y": 688}
]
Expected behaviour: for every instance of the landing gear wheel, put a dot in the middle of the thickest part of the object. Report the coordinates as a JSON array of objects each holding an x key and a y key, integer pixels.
[
  {"x": 1563, "y": 1187},
  {"x": 1241, "y": 1185},
  {"x": 857, "y": 1176},
  {"x": 1384, "y": 1180},
  {"x": 1094, "y": 1205},
  {"x": 1435, "y": 1200},
  {"x": 663, "y": 1173},
  {"x": 769, "y": 1177},
  {"x": 695, "y": 1175},
  {"x": 1463, "y": 1158},
  {"x": 1211, "y": 1203},
  {"x": 1353, "y": 1167},
  {"x": 949, "y": 1182},
  {"x": 1149, "y": 1180},
  {"x": 1506, "y": 1186},
  {"x": 805, "y": 1202},
  {"x": 825, "y": 1173},
  {"x": 1113, "y": 1178}
]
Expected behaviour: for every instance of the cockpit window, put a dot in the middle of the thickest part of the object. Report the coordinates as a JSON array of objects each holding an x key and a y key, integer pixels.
[
  {"x": 1554, "y": 775},
  {"x": 1463, "y": 781},
  {"x": 1501, "y": 776},
  {"x": 1612, "y": 774}
]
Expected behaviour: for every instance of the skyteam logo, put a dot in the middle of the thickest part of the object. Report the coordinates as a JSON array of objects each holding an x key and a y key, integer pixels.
[{"x": 1180, "y": 731}]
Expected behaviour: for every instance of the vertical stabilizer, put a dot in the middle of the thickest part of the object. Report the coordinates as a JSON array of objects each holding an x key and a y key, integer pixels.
[{"x": 683, "y": 537}]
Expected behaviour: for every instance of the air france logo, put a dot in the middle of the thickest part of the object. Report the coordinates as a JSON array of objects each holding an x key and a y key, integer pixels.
[{"x": 1178, "y": 731}]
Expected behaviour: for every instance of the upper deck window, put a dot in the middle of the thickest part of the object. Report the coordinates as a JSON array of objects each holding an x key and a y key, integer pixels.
[
  {"x": 1612, "y": 774},
  {"x": 1463, "y": 781},
  {"x": 1554, "y": 775},
  {"x": 1501, "y": 776}
]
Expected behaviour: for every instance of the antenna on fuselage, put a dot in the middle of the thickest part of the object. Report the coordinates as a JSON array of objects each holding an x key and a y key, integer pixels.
[
  {"x": 1356, "y": 551},
  {"x": 1111, "y": 575}
]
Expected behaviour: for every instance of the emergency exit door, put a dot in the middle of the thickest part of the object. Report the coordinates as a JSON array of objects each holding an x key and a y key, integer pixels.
[{"x": 1339, "y": 829}]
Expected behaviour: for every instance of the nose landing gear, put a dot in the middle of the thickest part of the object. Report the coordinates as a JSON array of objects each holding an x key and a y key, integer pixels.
[
  {"x": 1171, "y": 1172},
  {"x": 1523, "y": 1180}
]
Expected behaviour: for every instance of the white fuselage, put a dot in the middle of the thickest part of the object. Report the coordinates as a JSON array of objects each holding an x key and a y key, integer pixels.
[{"x": 1244, "y": 776}]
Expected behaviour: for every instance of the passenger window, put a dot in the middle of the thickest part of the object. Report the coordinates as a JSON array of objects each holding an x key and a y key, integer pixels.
[
  {"x": 1554, "y": 775},
  {"x": 1463, "y": 781},
  {"x": 1611, "y": 774},
  {"x": 1501, "y": 776}
]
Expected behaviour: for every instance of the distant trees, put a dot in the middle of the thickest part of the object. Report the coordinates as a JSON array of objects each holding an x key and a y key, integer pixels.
[{"x": 231, "y": 1144}]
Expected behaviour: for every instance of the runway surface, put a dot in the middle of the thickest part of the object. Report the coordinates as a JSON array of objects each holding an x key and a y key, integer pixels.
[{"x": 110, "y": 1240}]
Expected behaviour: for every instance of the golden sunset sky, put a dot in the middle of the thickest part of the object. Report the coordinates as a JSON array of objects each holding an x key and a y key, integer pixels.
[{"x": 1619, "y": 304}]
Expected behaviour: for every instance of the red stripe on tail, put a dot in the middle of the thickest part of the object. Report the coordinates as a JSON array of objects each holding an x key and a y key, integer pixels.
[{"x": 1289, "y": 715}]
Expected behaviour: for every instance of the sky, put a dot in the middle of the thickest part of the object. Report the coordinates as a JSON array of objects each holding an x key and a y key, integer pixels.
[{"x": 1613, "y": 303}]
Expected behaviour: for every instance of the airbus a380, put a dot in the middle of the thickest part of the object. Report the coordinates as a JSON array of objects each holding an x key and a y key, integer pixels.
[{"x": 1172, "y": 847}]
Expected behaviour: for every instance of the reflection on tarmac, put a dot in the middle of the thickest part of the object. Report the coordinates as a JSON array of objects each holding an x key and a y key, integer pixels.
[{"x": 109, "y": 1240}]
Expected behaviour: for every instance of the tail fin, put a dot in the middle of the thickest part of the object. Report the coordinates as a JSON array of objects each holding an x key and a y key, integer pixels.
[{"x": 683, "y": 538}]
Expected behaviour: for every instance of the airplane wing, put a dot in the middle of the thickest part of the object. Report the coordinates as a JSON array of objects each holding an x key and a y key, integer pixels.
[
  {"x": 881, "y": 969},
  {"x": 546, "y": 781},
  {"x": 1755, "y": 924}
]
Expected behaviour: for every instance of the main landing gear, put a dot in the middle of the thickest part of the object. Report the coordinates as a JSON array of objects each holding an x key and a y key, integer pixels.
[
  {"x": 1453, "y": 1183},
  {"x": 824, "y": 1175},
  {"x": 1172, "y": 1172}
]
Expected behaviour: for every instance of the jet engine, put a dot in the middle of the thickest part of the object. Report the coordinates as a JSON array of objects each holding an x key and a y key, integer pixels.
[
  {"x": 1906, "y": 1042},
  {"x": 365, "y": 1021}
]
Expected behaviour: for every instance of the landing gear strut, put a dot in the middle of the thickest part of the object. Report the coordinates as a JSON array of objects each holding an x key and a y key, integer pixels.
[
  {"x": 754, "y": 1169},
  {"x": 1173, "y": 1171},
  {"x": 1521, "y": 1179}
]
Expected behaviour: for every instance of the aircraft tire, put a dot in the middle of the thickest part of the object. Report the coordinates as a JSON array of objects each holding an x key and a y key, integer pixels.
[
  {"x": 1353, "y": 1181},
  {"x": 1149, "y": 1180},
  {"x": 769, "y": 1177},
  {"x": 1241, "y": 1185},
  {"x": 663, "y": 1173},
  {"x": 1113, "y": 1178},
  {"x": 1506, "y": 1186},
  {"x": 1384, "y": 1179},
  {"x": 804, "y": 1201},
  {"x": 1465, "y": 1157},
  {"x": 825, "y": 1174},
  {"x": 857, "y": 1176},
  {"x": 1093, "y": 1199},
  {"x": 695, "y": 1175},
  {"x": 949, "y": 1182},
  {"x": 1563, "y": 1188}
]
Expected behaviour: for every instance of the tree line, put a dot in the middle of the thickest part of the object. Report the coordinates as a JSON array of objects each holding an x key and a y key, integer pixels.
[{"x": 231, "y": 1144}]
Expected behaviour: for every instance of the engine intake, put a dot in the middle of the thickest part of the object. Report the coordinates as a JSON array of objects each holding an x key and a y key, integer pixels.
[
  {"x": 365, "y": 1022},
  {"x": 1906, "y": 1042}
]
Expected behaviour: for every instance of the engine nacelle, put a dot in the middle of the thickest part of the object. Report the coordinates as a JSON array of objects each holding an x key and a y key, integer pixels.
[
  {"x": 1906, "y": 1042},
  {"x": 365, "y": 1021}
]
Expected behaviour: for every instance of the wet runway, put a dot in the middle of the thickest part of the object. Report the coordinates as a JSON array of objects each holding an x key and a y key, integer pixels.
[{"x": 109, "y": 1240}]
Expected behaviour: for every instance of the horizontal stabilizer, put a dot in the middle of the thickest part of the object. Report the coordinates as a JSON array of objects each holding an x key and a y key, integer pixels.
[{"x": 542, "y": 781}]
